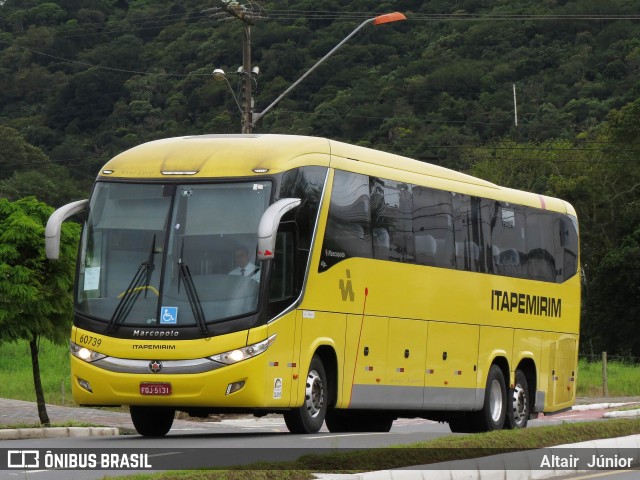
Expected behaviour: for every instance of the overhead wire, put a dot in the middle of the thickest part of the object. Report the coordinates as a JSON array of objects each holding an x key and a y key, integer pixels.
[{"x": 164, "y": 20}]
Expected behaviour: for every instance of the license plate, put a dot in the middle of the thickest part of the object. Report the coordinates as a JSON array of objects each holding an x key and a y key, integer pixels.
[{"x": 155, "y": 388}]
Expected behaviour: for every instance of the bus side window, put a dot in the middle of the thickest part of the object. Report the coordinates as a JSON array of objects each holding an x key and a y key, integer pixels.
[
  {"x": 566, "y": 247},
  {"x": 432, "y": 225},
  {"x": 348, "y": 232},
  {"x": 282, "y": 285},
  {"x": 508, "y": 241},
  {"x": 468, "y": 233},
  {"x": 391, "y": 220},
  {"x": 541, "y": 264}
]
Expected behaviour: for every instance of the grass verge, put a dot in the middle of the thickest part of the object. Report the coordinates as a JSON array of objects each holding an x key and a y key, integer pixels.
[
  {"x": 623, "y": 379},
  {"x": 456, "y": 447},
  {"x": 16, "y": 375}
]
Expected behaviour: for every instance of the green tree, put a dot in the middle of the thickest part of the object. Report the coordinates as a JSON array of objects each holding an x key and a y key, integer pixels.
[
  {"x": 35, "y": 294},
  {"x": 613, "y": 298},
  {"x": 16, "y": 154}
]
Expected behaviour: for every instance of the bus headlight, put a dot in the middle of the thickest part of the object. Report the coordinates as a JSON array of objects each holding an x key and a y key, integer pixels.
[
  {"x": 240, "y": 354},
  {"x": 83, "y": 353}
]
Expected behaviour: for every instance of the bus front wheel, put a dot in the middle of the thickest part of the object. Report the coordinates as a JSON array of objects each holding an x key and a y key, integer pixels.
[
  {"x": 152, "y": 421},
  {"x": 310, "y": 416}
]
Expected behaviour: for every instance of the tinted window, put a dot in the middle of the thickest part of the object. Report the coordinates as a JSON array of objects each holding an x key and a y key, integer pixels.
[
  {"x": 566, "y": 247},
  {"x": 391, "y": 220},
  {"x": 541, "y": 264},
  {"x": 433, "y": 227},
  {"x": 508, "y": 244},
  {"x": 305, "y": 183},
  {"x": 348, "y": 225},
  {"x": 282, "y": 273},
  {"x": 468, "y": 233}
]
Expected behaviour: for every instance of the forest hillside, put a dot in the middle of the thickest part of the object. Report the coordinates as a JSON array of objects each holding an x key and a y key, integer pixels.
[{"x": 541, "y": 96}]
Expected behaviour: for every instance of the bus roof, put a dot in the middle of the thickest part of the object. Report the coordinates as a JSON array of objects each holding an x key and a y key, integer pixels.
[{"x": 236, "y": 155}]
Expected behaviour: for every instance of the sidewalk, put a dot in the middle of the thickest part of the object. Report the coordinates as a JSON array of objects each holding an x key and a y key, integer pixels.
[{"x": 15, "y": 412}]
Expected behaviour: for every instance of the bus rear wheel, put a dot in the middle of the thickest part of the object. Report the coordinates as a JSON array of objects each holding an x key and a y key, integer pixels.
[
  {"x": 518, "y": 416},
  {"x": 310, "y": 416},
  {"x": 494, "y": 411},
  {"x": 152, "y": 421}
]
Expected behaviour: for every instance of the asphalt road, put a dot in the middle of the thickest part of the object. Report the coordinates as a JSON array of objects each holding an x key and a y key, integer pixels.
[
  {"x": 233, "y": 441},
  {"x": 230, "y": 442}
]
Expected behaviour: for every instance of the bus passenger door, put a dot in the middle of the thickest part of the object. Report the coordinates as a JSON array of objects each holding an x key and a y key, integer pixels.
[
  {"x": 406, "y": 357},
  {"x": 280, "y": 381},
  {"x": 450, "y": 375}
]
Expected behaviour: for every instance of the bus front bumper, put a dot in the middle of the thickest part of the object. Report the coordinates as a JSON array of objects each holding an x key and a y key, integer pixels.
[{"x": 238, "y": 385}]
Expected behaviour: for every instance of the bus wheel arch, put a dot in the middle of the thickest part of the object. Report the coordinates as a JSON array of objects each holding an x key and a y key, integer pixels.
[
  {"x": 329, "y": 360},
  {"x": 318, "y": 393}
]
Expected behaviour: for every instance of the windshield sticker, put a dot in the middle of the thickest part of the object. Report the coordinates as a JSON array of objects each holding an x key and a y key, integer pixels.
[
  {"x": 91, "y": 278},
  {"x": 169, "y": 316}
]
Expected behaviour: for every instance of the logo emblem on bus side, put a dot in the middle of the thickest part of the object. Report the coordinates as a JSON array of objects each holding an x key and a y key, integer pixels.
[
  {"x": 155, "y": 366},
  {"x": 346, "y": 288}
]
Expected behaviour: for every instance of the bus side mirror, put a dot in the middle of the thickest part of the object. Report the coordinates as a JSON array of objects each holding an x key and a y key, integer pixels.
[
  {"x": 52, "y": 230},
  {"x": 268, "y": 226}
]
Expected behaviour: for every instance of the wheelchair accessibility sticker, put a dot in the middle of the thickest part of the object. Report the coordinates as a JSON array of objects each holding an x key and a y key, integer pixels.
[{"x": 169, "y": 316}]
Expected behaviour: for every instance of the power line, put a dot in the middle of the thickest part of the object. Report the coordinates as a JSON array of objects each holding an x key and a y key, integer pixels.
[
  {"x": 82, "y": 161},
  {"x": 102, "y": 67}
]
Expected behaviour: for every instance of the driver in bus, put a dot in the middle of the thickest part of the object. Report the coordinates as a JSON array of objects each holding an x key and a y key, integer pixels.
[{"x": 244, "y": 267}]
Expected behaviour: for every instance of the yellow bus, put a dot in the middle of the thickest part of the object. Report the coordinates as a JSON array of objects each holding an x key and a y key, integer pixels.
[{"x": 324, "y": 281}]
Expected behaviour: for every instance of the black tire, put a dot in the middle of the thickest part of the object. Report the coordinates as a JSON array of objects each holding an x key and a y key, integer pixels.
[
  {"x": 341, "y": 421},
  {"x": 520, "y": 405},
  {"x": 152, "y": 421},
  {"x": 310, "y": 416},
  {"x": 494, "y": 410},
  {"x": 461, "y": 424},
  {"x": 337, "y": 421}
]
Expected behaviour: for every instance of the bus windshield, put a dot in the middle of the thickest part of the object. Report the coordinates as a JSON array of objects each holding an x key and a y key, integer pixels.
[{"x": 171, "y": 255}]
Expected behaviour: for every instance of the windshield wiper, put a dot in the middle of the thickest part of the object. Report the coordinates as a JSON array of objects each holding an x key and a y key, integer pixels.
[
  {"x": 132, "y": 292},
  {"x": 192, "y": 295}
]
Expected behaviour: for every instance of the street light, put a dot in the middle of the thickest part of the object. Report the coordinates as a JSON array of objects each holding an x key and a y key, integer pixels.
[
  {"x": 379, "y": 20},
  {"x": 219, "y": 75},
  {"x": 248, "y": 117}
]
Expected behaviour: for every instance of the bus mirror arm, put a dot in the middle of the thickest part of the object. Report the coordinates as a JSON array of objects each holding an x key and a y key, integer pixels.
[
  {"x": 54, "y": 224},
  {"x": 268, "y": 226}
]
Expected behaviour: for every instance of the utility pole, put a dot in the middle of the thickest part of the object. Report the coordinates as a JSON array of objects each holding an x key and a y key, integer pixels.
[{"x": 248, "y": 17}]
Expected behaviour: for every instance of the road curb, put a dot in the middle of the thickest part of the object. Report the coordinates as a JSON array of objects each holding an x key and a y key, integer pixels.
[
  {"x": 622, "y": 413},
  {"x": 57, "y": 432},
  {"x": 513, "y": 466}
]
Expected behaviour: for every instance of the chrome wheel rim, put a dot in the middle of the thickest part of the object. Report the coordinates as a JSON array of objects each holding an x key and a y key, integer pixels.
[
  {"x": 495, "y": 400},
  {"x": 520, "y": 404},
  {"x": 314, "y": 394}
]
